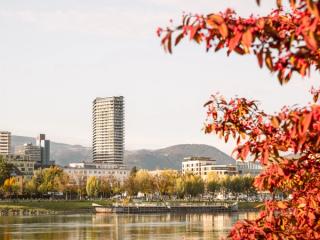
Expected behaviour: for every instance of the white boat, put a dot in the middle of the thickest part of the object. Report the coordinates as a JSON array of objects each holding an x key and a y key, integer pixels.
[{"x": 101, "y": 209}]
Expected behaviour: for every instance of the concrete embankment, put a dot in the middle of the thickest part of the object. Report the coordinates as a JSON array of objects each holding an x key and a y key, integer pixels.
[{"x": 24, "y": 212}]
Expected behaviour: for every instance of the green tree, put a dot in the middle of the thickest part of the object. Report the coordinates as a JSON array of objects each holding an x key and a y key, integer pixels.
[
  {"x": 116, "y": 186},
  {"x": 248, "y": 186},
  {"x": 93, "y": 187},
  {"x": 5, "y": 170},
  {"x": 105, "y": 187}
]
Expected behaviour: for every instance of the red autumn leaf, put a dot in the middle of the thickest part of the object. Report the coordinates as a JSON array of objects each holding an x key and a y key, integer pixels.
[
  {"x": 234, "y": 41},
  {"x": 260, "y": 58},
  {"x": 178, "y": 38}
]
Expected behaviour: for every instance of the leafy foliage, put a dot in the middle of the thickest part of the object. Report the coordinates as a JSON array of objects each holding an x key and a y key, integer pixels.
[
  {"x": 5, "y": 170},
  {"x": 270, "y": 138},
  {"x": 93, "y": 186},
  {"x": 286, "y": 40}
]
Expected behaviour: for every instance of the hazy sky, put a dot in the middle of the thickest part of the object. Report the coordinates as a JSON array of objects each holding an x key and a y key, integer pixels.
[{"x": 57, "y": 56}]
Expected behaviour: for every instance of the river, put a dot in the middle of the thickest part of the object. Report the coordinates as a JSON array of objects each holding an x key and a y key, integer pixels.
[{"x": 118, "y": 227}]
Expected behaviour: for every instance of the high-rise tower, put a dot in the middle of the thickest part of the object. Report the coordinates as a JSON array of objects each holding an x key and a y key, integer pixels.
[
  {"x": 44, "y": 149},
  {"x": 108, "y": 130}
]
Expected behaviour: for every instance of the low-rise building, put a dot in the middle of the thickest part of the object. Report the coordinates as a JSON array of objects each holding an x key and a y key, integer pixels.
[
  {"x": 22, "y": 162},
  {"x": 197, "y": 164},
  {"x": 100, "y": 170},
  {"x": 30, "y": 150},
  {"x": 202, "y": 166}
]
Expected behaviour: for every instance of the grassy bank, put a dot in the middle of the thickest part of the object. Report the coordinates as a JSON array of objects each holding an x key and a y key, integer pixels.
[{"x": 57, "y": 206}]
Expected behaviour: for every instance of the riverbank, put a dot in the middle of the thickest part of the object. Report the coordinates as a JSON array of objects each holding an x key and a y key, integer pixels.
[{"x": 44, "y": 207}]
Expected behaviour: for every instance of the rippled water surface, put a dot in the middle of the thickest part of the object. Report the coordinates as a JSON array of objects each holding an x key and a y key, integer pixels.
[{"x": 112, "y": 226}]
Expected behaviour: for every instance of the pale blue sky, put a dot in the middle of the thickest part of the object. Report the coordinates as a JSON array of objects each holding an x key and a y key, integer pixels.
[{"x": 57, "y": 56}]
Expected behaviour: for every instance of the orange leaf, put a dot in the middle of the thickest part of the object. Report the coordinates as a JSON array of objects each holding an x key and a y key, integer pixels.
[
  {"x": 215, "y": 18},
  {"x": 223, "y": 29},
  {"x": 281, "y": 205},
  {"x": 269, "y": 62},
  {"x": 247, "y": 38},
  {"x": 311, "y": 41}
]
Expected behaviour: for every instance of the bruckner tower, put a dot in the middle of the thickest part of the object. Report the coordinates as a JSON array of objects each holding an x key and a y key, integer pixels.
[{"x": 108, "y": 130}]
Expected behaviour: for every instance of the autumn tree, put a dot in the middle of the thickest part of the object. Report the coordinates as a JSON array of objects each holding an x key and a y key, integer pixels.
[
  {"x": 189, "y": 185},
  {"x": 165, "y": 182},
  {"x": 213, "y": 183},
  {"x": 10, "y": 187},
  {"x": 52, "y": 179},
  {"x": 130, "y": 186},
  {"x": 105, "y": 187},
  {"x": 286, "y": 41},
  {"x": 144, "y": 182}
]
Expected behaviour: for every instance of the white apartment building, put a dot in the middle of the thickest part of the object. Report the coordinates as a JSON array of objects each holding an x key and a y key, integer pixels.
[
  {"x": 82, "y": 171},
  {"x": 5, "y": 143},
  {"x": 196, "y": 164},
  {"x": 108, "y": 130},
  {"x": 202, "y": 166},
  {"x": 30, "y": 150}
]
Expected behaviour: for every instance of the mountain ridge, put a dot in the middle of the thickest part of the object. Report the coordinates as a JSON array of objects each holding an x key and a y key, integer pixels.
[{"x": 168, "y": 157}]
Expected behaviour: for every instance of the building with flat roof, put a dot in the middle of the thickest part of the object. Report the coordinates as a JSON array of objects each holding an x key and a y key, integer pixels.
[
  {"x": 108, "y": 130},
  {"x": 196, "y": 165},
  {"x": 30, "y": 150},
  {"x": 22, "y": 162},
  {"x": 5, "y": 143},
  {"x": 202, "y": 166},
  {"x": 82, "y": 171}
]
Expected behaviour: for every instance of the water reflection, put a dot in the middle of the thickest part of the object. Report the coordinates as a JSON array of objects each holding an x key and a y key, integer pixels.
[{"x": 118, "y": 227}]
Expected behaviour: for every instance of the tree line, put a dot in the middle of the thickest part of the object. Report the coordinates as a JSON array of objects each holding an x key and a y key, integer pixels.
[{"x": 54, "y": 182}]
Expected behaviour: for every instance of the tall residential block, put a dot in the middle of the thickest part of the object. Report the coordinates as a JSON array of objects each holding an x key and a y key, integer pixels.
[
  {"x": 108, "y": 130},
  {"x": 5, "y": 143},
  {"x": 44, "y": 145}
]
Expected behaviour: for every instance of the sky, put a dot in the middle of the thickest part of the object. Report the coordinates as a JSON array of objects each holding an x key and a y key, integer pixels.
[{"x": 57, "y": 56}]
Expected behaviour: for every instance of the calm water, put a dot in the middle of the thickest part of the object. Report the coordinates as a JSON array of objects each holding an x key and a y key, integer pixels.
[{"x": 112, "y": 226}]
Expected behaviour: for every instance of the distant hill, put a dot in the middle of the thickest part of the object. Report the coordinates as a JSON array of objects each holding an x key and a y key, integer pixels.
[
  {"x": 62, "y": 153},
  {"x": 170, "y": 157}
]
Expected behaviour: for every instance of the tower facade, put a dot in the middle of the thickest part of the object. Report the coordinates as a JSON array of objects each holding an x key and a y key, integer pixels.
[
  {"x": 108, "y": 130},
  {"x": 5, "y": 143},
  {"x": 44, "y": 145}
]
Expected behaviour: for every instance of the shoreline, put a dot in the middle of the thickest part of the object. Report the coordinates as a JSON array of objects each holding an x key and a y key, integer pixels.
[{"x": 56, "y": 207}]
